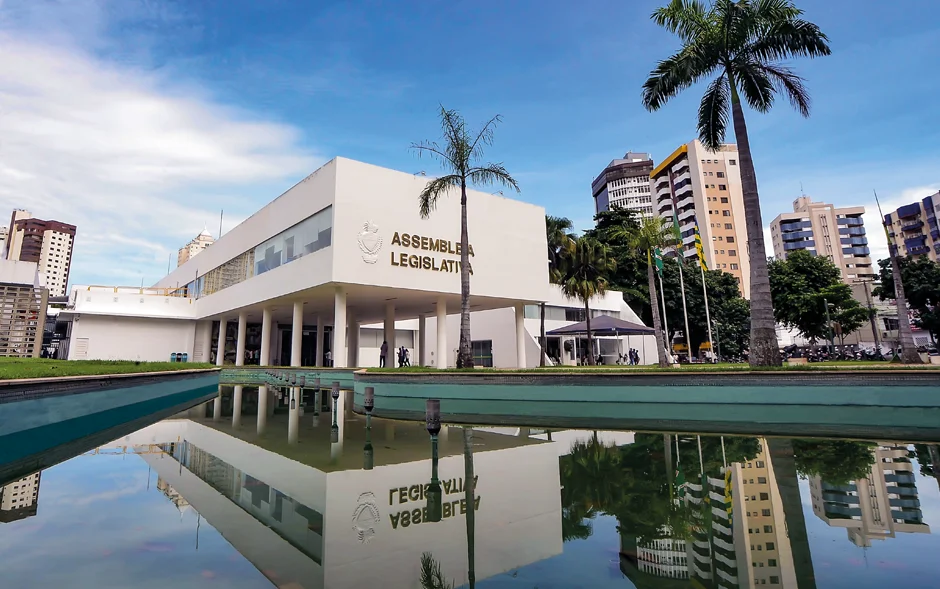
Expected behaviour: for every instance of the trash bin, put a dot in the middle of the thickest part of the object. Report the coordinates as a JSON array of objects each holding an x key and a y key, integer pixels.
[{"x": 185, "y": 357}]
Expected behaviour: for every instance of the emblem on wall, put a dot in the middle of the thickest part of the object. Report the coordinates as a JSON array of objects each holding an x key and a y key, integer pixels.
[
  {"x": 365, "y": 517},
  {"x": 370, "y": 242}
]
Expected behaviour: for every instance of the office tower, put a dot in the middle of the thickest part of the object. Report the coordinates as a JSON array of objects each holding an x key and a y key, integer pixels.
[
  {"x": 914, "y": 229},
  {"x": 47, "y": 243},
  {"x": 199, "y": 243},
  {"x": 625, "y": 183},
  {"x": 837, "y": 233},
  {"x": 19, "y": 499},
  {"x": 877, "y": 506},
  {"x": 694, "y": 185}
]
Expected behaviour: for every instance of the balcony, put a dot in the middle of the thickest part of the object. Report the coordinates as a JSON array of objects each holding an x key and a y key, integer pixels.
[
  {"x": 856, "y": 251},
  {"x": 908, "y": 211},
  {"x": 915, "y": 226},
  {"x": 685, "y": 175},
  {"x": 918, "y": 250},
  {"x": 663, "y": 190},
  {"x": 798, "y": 245},
  {"x": 851, "y": 231},
  {"x": 686, "y": 201},
  {"x": 796, "y": 235},
  {"x": 853, "y": 241},
  {"x": 687, "y": 215},
  {"x": 850, "y": 221},
  {"x": 795, "y": 225}
]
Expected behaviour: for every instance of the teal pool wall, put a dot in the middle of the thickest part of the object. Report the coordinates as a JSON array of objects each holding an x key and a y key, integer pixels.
[
  {"x": 852, "y": 404},
  {"x": 40, "y": 423}
]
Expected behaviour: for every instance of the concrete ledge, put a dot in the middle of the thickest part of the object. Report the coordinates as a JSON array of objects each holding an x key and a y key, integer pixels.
[{"x": 24, "y": 389}]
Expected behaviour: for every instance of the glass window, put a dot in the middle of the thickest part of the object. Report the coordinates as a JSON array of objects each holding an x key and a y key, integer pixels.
[
  {"x": 724, "y": 199},
  {"x": 734, "y": 266},
  {"x": 722, "y": 187},
  {"x": 730, "y": 239},
  {"x": 310, "y": 235},
  {"x": 765, "y": 512},
  {"x": 770, "y": 546},
  {"x": 721, "y": 174},
  {"x": 762, "y": 480},
  {"x": 482, "y": 353},
  {"x": 732, "y": 162},
  {"x": 771, "y": 562},
  {"x": 532, "y": 312},
  {"x": 728, "y": 226},
  {"x": 768, "y": 529},
  {"x": 774, "y": 580},
  {"x": 732, "y": 252},
  {"x": 726, "y": 213}
]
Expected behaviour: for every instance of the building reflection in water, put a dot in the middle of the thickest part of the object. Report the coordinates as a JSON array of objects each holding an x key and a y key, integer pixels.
[{"x": 20, "y": 499}]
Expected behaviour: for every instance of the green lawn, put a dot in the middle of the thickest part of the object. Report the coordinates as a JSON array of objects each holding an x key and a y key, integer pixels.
[
  {"x": 11, "y": 368},
  {"x": 724, "y": 367}
]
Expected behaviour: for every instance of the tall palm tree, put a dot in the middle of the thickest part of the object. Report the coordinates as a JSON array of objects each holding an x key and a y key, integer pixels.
[
  {"x": 459, "y": 156},
  {"x": 743, "y": 42},
  {"x": 556, "y": 234},
  {"x": 654, "y": 233},
  {"x": 587, "y": 265},
  {"x": 470, "y": 498}
]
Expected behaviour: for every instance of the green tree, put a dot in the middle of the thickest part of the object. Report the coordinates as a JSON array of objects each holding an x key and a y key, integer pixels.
[
  {"x": 837, "y": 462},
  {"x": 730, "y": 312},
  {"x": 743, "y": 42},
  {"x": 802, "y": 286},
  {"x": 431, "y": 575},
  {"x": 558, "y": 239},
  {"x": 459, "y": 156},
  {"x": 921, "y": 280},
  {"x": 615, "y": 229},
  {"x": 587, "y": 264},
  {"x": 653, "y": 234}
]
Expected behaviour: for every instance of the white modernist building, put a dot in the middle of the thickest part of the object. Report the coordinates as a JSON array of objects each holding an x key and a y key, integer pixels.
[{"x": 335, "y": 266}]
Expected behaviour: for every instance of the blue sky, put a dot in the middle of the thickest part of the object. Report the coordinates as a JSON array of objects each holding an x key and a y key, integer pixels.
[{"x": 139, "y": 120}]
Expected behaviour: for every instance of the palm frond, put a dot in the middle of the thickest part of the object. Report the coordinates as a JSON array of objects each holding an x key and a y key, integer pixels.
[
  {"x": 676, "y": 73},
  {"x": 484, "y": 137},
  {"x": 433, "y": 190},
  {"x": 713, "y": 113},
  {"x": 491, "y": 174},
  {"x": 431, "y": 575},
  {"x": 433, "y": 149},
  {"x": 455, "y": 131},
  {"x": 785, "y": 81},
  {"x": 754, "y": 85},
  {"x": 686, "y": 18},
  {"x": 786, "y": 39}
]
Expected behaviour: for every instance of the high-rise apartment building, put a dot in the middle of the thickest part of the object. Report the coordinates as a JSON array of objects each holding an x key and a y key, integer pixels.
[
  {"x": 876, "y": 507},
  {"x": 694, "y": 185},
  {"x": 837, "y": 233},
  {"x": 625, "y": 183},
  {"x": 199, "y": 243},
  {"x": 4, "y": 232},
  {"x": 19, "y": 499},
  {"x": 23, "y": 302},
  {"x": 47, "y": 243},
  {"x": 914, "y": 229}
]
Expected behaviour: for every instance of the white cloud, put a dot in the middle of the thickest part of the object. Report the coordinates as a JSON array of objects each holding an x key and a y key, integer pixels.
[{"x": 139, "y": 160}]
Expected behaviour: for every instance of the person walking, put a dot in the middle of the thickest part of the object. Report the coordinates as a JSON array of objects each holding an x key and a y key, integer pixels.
[
  {"x": 329, "y": 358},
  {"x": 383, "y": 354},
  {"x": 407, "y": 357}
]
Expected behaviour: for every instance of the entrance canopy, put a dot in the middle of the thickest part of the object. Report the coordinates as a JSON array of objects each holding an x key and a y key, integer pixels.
[{"x": 604, "y": 325}]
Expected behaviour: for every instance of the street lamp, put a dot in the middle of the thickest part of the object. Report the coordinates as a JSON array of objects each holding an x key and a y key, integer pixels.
[
  {"x": 832, "y": 344},
  {"x": 368, "y": 454},
  {"x": 432, "y": 417}
]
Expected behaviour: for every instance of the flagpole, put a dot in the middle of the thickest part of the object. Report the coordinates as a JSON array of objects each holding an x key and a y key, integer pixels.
[
  {"x": 665, "y": 325},
  {"x": 708, "y": 317},
  {"x": 680, "y": 258}
]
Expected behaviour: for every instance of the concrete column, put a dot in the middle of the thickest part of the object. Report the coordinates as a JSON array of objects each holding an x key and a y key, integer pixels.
[
  {"x": 217, "y": 406},
  {"x": 206, "y": 342},
  {"x": 220, "y": 349},
  {"x": 320, "y": 340},
  {"x": 520, "y": 335},
  {"x": 266, "y": 336},
  {"x": 422, "y": 340},
  {"x": 336, "y": 448},
  {"x": 442, "y": 353},
  {"x": 339, "y": 333},
  {"x": 297, "y": 334},
  {"x": 293, "y": 416},
  {"x": 262, "y": 409},
  {"x": 389, "y": 333},
  {"x": 237, "y": 406},
  {"x": 240, "y": 343},
  {"x": 352, "y": 358}
]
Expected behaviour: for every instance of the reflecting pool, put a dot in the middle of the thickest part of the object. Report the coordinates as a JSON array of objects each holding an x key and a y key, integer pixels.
[{"x": 312, "y": 497}]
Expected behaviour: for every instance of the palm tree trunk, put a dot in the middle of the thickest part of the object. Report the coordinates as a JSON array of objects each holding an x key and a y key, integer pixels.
[
  {"x": 763, "y": 346},
  {"x": 657, "y": 320},
  {"x": 909, "y": 353},
  {"x": 542, "y": 335},
  {"x": 470, "y": 498},
  {"x": 587, "y": 317},
  {"x": 464, "y": 355}
]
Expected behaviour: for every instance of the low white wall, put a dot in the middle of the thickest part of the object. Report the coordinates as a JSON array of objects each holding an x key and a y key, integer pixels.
[{"x": 101, "y": 337}]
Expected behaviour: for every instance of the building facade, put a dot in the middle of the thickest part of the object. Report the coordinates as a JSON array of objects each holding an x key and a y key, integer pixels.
[
  {"x": 19, "y": 499},
  {"x": 330, "y": 270},
  {"x": 47, "y": 243},
  {"x": 4, "y": 232},
  {"x": 696, "y": 186},
  {"x": 625, "y": 183},
  {"x": 198, "y": 244},
  {"x": 837, "y": 233},
  {"x": 876, "y": 507},
  {"x": 23, "y": 302},
  {"x": 914, "y": 229}
]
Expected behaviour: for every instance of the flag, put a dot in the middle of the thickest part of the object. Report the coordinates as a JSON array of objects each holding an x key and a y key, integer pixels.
[
  {"x": 700, "y": 249},
  {"x": 658, "y": 260}
]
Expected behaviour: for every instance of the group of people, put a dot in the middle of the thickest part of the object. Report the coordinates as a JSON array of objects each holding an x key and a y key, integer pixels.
[
  {"x": 404, "y": 356},
  {"x": 632, "y": 357}
]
